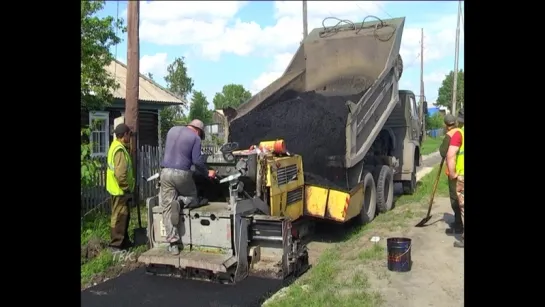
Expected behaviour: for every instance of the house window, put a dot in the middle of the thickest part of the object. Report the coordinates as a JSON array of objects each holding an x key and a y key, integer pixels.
[
  {"x": 100, "y": 133},
  {"x": 212, "y": 129}
]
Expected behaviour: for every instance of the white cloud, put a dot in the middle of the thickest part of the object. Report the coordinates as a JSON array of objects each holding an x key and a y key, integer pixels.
[
  {"x": 439, "y": 33},
  {"x": 280, "y": 63},
  {"x": 211, "y": 29},
  {"x": 164, "y": 12},
  {"x": 439, "y": 39},
  {"x": 190, "y": 23},
  {"x": 209, "y": 25},
  {"x": 155, "y": 64},
  {"x": 436, "y": 77}
]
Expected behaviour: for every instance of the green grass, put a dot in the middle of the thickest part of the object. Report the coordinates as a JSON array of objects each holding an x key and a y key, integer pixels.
[
  {"x": 425, "y": 187},
  {"x": 430, "y": 145},
  {"x": 340, "y": 277},
  {"x": 97, "y": 228}
]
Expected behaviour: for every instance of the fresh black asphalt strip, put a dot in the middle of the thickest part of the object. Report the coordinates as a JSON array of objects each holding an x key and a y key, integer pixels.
[{"x": 137, "y": 288}]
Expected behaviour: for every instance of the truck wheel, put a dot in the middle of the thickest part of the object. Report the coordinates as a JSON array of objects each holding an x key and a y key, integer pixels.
[
  {"x": 409, "y": 187},
  {"x": 369, "y": 206},
  {"x": 384, "y": 179}
]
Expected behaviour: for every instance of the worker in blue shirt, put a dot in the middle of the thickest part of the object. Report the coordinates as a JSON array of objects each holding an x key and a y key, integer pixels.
[{"x": 182, "y": 150}]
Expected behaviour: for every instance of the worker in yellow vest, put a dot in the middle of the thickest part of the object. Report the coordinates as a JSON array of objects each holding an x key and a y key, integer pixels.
[
  {"x": 120, "y": 184},
  {"x": 452, "y": 150},
  {"x": 455, "y": 167},
  {"x": 453, "y": 137}
]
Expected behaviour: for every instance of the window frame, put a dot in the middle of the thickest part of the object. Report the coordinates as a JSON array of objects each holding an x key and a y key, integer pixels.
[{"x": 105, "y": 116}]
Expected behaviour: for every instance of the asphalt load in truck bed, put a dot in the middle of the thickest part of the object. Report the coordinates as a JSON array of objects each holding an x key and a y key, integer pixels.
[{"x": 312, "y": 125}]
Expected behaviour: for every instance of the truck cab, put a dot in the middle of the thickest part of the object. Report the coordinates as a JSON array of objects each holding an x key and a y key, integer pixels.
[{"x": 406, "y": 124}]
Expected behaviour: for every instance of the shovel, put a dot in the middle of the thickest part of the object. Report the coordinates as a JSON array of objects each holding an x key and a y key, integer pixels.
[{"x": 423, "y": 222}]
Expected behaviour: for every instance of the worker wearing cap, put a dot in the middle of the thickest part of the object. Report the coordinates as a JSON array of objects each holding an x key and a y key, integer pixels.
[
  {"x": 455, "y": 163},
  {"x": 452, "y": 150},
  {"x": 452, "y": 141},
  {"x": 182, "y": 150},
  {"x": 120, "y": 184}
]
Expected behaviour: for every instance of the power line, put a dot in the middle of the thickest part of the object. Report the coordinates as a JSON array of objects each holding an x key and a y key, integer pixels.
[
  {"x": 381, "y": 8},
  {"x": 412, "y": 62},
  {"x": 361, "y": 9}
]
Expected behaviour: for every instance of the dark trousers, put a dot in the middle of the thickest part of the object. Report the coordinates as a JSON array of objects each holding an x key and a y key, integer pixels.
[
  {"x": 119, "y": 223},
  {"x": 454, "y": 203}
]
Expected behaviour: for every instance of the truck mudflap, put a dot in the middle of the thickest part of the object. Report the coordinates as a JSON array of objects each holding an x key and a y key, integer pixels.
[{"x": 332, "y": 204}]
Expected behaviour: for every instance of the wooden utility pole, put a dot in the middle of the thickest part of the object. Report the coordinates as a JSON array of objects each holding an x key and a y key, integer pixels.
[
  {"x": 456, "y": 54},
  {"x": 422, "y": 115},
  {"x": 305, "y": 22},
  {"x": 133, "y": 74}
]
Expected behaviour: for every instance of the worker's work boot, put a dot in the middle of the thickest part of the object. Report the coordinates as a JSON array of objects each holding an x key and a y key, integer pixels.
[
  {"x": 201, "y": 201},
  {"x": 174, "y": 249},
  {"x": 459, "y": 244},
  {"x": 455, "y": 231}
]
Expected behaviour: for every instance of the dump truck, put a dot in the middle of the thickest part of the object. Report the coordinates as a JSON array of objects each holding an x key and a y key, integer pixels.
[{"x": 265, "y": 201}]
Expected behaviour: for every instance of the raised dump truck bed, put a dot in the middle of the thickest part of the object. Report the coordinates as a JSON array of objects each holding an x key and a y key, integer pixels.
[{"x": 332, "y": 102}]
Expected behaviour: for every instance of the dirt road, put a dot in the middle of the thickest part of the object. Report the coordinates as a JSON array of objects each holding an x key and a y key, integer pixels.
[{"x": 437, "y": 275}]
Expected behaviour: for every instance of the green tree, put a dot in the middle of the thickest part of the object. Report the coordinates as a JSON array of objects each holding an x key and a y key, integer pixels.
[
  {"x": 89, "y": 166},
  {"x": 444, "y": 96},
  {"x": 232, "y": 95},
  {"x": 199, "y": 108},
  {"x": 177, "y": 80},
  {"x": 180, "y": 84},
  {"x": 98, "y": 34},
  {"x": 434, "y": 121},
  {"x": 150, "y": 75}
]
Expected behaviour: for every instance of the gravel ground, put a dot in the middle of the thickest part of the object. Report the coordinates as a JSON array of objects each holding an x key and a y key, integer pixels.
[{"x": 437, "y": 275}]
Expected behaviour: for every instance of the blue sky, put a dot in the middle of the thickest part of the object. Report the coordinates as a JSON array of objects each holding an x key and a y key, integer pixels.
[{"x": 252, "y": 42}]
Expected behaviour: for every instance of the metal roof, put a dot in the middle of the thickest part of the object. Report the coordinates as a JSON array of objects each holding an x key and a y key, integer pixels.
[{"x": 149, "y": 90}]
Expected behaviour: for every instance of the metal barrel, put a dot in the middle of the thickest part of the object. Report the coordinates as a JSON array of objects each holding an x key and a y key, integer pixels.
[{"x": 399, "y": 254}]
